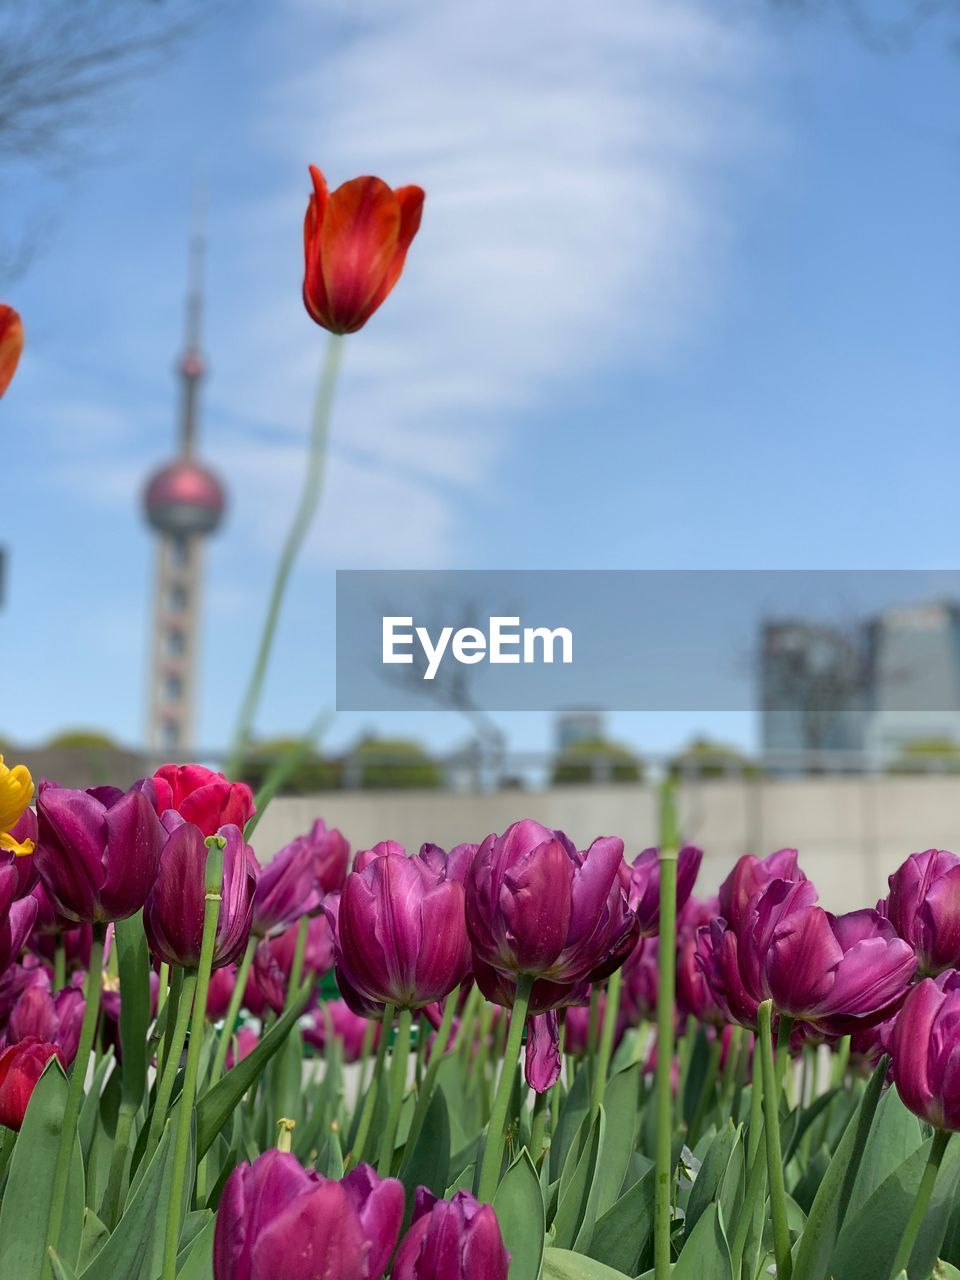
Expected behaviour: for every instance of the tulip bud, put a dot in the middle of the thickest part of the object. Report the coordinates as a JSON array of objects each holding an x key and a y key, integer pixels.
[
  {"x": 97, "y": 850},
  {"x": 277, "y": 1219},
  {"x": 21, "y": 1066},
  {"x": 11, "y": 345},
  {"x": 400, "y": 933},
  {"x": 923, "y": 1044},
  {"x": 924, "y": 908},
  {"x": 456, "y": 1239},
  {"x": 201, "y": 796},
  {"x": 355, "y": 243},
  {"x": 173, "y": 916}
]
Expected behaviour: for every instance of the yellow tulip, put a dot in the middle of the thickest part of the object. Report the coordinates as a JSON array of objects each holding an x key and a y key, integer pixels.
[{"x": 16, "y": 792}]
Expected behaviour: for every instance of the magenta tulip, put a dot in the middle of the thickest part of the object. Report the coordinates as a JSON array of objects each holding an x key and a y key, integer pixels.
[
  {"x": 923, "y": 1043},
  {"x": 40, "y": 1015},
  {"x": 400, "y": 932},
  {"x": 643, "y": 890},
  {"x": 277, "y": 1219},
  {"x": 201, "y": 796},
  {"x": 731, "y": 971},
  {"x": 173, "y": 917},
  {"x": 837, "y": 973},
  {"x": 539, "y": 907},
  {"x": 97, "y": 850},
  {"x": 336, "y": 1017},
  {"x": 17, "y": 915},
  {"x": 641, "y": 978},
  {"x": 21, "y": 1066},
  {"x": 294, "y": 881},
  {"x": 456, "y": 1239},
  {"x": 749, "y": 877},
  {"x": 924, "y": 907},
  {"x": 273, "y": 959}
]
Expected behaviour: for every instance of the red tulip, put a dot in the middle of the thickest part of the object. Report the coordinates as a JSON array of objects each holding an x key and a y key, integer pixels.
[
  {"x": 355, "y": 240},
  {"x": 201, "y": 796},
  {"x": 11, "y": 344},
  {"x": 21, "y": 1066}
]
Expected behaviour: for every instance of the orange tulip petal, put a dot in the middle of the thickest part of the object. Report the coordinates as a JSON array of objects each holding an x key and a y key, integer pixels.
[
  {"x": 410, "y": 200},
  {"x": 11, "y": 344},
  {"x": 358, "y": 243}
]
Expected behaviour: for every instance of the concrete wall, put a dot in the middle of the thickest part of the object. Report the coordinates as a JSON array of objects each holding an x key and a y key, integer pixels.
[{"x": 851, "y": 831}]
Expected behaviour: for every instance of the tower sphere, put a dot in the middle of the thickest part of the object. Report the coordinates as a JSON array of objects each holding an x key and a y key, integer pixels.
[{"x": 184, "y": 498}]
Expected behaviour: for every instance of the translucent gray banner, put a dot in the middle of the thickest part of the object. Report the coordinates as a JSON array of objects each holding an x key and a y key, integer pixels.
[{"x": 839, "y": 644}]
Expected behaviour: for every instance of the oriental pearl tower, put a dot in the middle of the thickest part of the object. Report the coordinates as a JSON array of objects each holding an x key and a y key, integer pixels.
[{"x": 184, "y": 503}]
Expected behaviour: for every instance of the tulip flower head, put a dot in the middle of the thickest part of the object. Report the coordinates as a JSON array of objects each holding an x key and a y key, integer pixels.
[
  {"x": 400, "y": 931},
  {"x": 537, "y": 906},
  {"x": 16, "y": 792},
  {"x": 643, "y": 878},
  {"x": 336, "y": 1018},
  {"x": 21, "y": 1066},
  {"x": 749, "y": 877},
  {"x": 97, "y": 850},
  {"x": 277, "y": 1219},
  {"x": 924, "y": 907},
  {"x": 40, "y": 1015},
  {"x": 355, "y": 242},
  {"x": 923, "y": 1045},
  {"x": 201, "y": 796},
  {"x": 11, "y": 345},
  {"x": 273, "y": 959},
  {"x": 456, "y": 1239},
  {"x": 294, "y": 881},
  {"x": 837, "y": 973}
]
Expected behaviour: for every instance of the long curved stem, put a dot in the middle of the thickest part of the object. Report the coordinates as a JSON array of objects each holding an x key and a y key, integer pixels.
[
  {"x": 605, "y": 1049},
  {"x": 372, "y": 1092},
  {"x": 302, "y": 520},
  {"x": 399, "y": 1060},
  {"x": 493, "y": 1147},
  {"x": 662, "y": 1085},
  {"x": 433, "y": 1066},
  {"x": 233, "y": 1010},
  {"x": 771, "y": 1126},
  {"x": 78, "y": 1075}
]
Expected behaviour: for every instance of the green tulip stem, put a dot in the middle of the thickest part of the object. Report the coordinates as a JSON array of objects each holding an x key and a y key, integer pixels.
[
  {"x": 556, "y": 1093},
  {"x": 755, "y": 1132},
  {"x": 605, "y": 1048},
  {"x": 707, "y": 1091},
  {"x": 663, "y": 1093},
  {"x": 78, "y": 1074},
  {"x": 771, "y": 1127},
  {"x": 302, "y": 520},
  {"x": 181, "y": 1149},
  {"x": 372, "y": 1092},
  {"x": 593, "y": 1030},
  {"x": 399, "y": 1060},
  {"x": 493, "y": 1147},
  {"x": 183, "y": 988},
  {"x": 920, "y": 1205},
  {"x": 299, "y": 955},
  {"x": 173, "y": 1008},
  {"x": 366, "y": 1052},
  {"x": 233, "y": 1011},
  {"x": 433, "y": 1066}
]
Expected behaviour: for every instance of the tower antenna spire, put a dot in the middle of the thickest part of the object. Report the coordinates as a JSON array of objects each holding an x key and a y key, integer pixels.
[{"x": 192, "y": 364}]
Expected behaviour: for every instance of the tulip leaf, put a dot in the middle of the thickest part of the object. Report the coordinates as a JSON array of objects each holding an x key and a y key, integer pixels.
[
  {"x": 825, "y": 1218},
  {"x": 895, "y": 1135},
  {"x": 196, "y": 1260},
  {"x": 61, "y": 1271},
  {"x": 216, "y": 1106},
  {"x": 621, "y": 1235},
  {"x": 576, "y": 1203},
  {"x": 712, "y": 1171},
  {"x": 125, "y": 1255},
  {"x": 576, "y": 1106},
  {"x": 945, "y": 1271},
  {"x": 561, "y": 1264},
  {"x": 706, "y": 1253},
  {"x": 428, "y": 1163},
  {"x": 27, "y": 1194},
  {"x": 814, "y": 1112},
  {"x": 518, "y": 1205},
  {"x": 621, "y": 1105},
  {"x": 868, "y": 1242},
  {"x": 135, "y": 1011}
]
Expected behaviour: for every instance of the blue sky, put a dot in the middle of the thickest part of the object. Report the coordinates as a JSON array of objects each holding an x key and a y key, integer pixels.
[{"x": 684, "y": 296}]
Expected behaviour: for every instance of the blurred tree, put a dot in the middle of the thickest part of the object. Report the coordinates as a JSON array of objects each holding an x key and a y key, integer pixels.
[
  {"x": 377, "y": 764},
  {"x": 703, "y": 758},
  {"x": 313, "y": 772},
  {"x": 596, "y": 760},
  {"x": 928, "y": 755}
]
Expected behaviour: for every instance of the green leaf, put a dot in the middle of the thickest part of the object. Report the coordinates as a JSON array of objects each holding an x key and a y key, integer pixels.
[
  {"x": 621, "y": 1235},
  {"x": 134, "y": 965},
  {"x": 94, "y": 1235},
  {"x": 216, "y": 1106},
  {"x": 518, "y": 1205},
  {"x": 706, "y": 1254},
  {"x": 561, "y": 1264},
  {"x": 825, "y": 1218},
  {"x": 26, "y": 1202},
  {"x": 621, "y": 1104},
  {"x": 806, "y": 1119},
  {"x": 61, "y": 1270},
  {"x": 126, "y": 1252},
  {"x": 945, "y": 1271},
  {"x": 869, "y": 1240},
  {"x": 711, "y": 1173},
  {"x": 197, "y": 1258},
  {"x": 576, "y": 1206},
  {"x": 895, "y": 1135},
  {"x": 575, "y": 1107},
  {"x": 428, "y": 1164}
]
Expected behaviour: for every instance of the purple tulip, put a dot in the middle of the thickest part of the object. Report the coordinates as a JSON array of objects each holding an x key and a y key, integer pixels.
[
  {"x": 17, "y": 979},
  {"x": 23, "y": 832},
  {"x": 456, "y": 1239},
  {"x": 293, "y": 882},
  {"x": 695, "y": 998},
  {"x": 643, "y": 878},
  {"x": 173, "y": 917},
  {"x": 337, "y": 1017},
  {"x": 97, "y": 850},
  {"x": 400, "y": 932},
  {"x": 923, "y": 1043},
  {"x": 537, "y": 906},
  {"x": 273, "y": 960},
  {"x": 17, "y": 916},
  {"x": 56, "y": 1018},
  {"x": 277, "y": 1219},
  {"x": 542, "y": 1053},
  {"x": 924, "y": 907},
  {"x": 457, "y": 862},
  {"x": 748, "y": 879},
  {"x": 731, "y": 972},
  {"x": 641, "y": 980},
  {"x": 838, "y": 973},
  {"x": 500, "y": 988}
]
